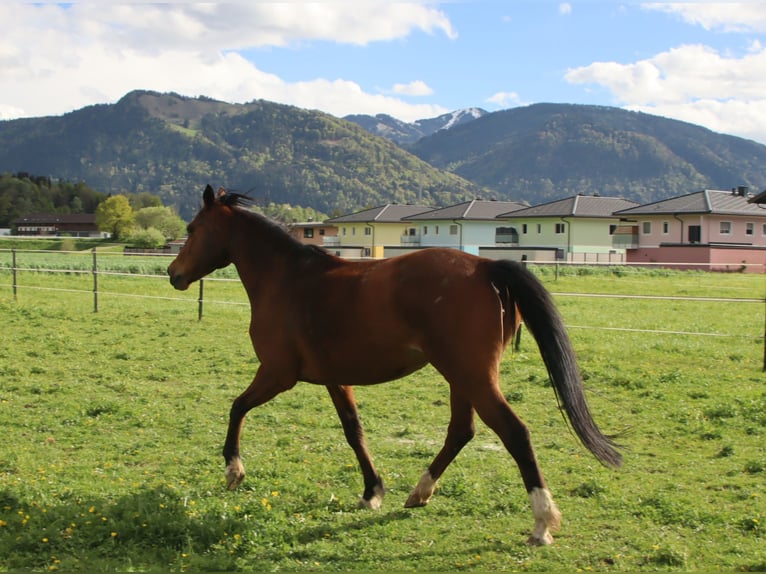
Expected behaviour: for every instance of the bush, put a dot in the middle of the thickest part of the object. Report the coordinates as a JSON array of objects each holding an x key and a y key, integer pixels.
[{"x": 150, "y": 238}]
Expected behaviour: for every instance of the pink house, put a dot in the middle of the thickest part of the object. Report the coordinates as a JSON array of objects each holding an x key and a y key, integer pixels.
[{"x": 709, "y": 229}]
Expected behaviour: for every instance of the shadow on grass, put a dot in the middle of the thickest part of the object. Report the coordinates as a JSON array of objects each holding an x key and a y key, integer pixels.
[{"x": 149, "y": 529}]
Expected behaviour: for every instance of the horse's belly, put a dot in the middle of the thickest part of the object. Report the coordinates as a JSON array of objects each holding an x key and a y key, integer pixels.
[{"x": 358, "y": 365}]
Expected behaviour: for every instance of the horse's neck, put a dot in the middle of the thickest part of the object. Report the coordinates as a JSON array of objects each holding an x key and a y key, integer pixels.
[{"x": 260, "y": 256}]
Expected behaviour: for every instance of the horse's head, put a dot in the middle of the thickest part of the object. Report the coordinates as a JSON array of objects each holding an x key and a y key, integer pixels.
[{"x": 206, "y": 247}]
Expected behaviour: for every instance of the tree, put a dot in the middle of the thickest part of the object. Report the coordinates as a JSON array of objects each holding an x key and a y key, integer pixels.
[
  {"x": 163, "y": 219},
  {"x": 143, "y": 199},
  {"x": 150, "y": 238},
  {"x": 115, "y": 216}
]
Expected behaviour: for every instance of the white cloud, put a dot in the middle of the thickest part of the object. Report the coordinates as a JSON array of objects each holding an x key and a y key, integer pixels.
[
  {"x": 724, "y": 16},
  {"x": 505, "y": 99},
  {"x": 59, "y": 57},
  {"x": 416, "y": 88},
  {"x": 694, "y": 83},
  {"x": 565, "y": 8}
]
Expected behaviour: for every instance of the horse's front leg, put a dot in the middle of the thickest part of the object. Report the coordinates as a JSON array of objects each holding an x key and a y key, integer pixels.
[
  {"x": 343, "y": 399},
  {"x": 265, "y": 386}
]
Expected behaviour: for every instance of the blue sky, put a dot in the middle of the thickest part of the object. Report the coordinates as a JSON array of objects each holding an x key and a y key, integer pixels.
[{"x": 702, "y": 62}]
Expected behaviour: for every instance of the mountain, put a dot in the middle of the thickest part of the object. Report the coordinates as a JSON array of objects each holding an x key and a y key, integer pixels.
[
  {"x": 173, "y": 146},
  {"x": 405, "y": 133},
  {"x": 544, "y": 152}
]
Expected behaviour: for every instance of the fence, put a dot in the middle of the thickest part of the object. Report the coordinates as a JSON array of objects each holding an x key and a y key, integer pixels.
[{"x": 94, "y": 264}]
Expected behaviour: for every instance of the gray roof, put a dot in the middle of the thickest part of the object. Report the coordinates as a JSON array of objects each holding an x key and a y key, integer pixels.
[
  {"x": 576, "y": 206},
  {"x": 476, "y": 209},
  {"x": 389, "y": 213},
  {"x": 49, "y": 218},
  {"x": 705, "y": 201}
]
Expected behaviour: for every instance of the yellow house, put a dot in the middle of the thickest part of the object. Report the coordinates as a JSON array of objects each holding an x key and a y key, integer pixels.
[{"x": 366, "y": 233}]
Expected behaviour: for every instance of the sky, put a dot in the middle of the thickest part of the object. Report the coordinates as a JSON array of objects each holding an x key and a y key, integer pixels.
[{"x": 700, "y": 62}]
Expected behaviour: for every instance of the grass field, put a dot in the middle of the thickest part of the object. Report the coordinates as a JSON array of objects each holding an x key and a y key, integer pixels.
[{"x": 113, "y": 423}]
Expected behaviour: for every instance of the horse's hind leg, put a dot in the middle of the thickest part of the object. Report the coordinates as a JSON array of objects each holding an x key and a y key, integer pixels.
[
  {"x": 459, "y": 433},
  {"x": 343, "y": 399},
  {"x": 497, "y": 414}
]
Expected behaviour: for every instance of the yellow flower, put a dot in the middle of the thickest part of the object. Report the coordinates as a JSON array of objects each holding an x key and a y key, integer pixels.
[{"x": 114, "y": 535}]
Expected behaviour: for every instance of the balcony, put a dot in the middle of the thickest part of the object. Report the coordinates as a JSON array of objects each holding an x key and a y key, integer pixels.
[{"x": 625, "y": 237}]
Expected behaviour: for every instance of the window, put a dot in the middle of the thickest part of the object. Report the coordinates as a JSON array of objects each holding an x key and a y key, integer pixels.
[
  {"x": 321, "y": 232},
  {"x": 749, "y": 228},
  {"x": 453, "y": 229},
  {"x": 612, "y": 228},
  {"x": 353, "y": 230},
  {"x": 436, "y": 229},
  {"x": 665, "y": 227},
  {"x": 524, "y": 228},
  {"x": 646, "y": 228},
  {"x": 725, "y": 228},
  {"x": 763, "y": 231},
  {"x": 561, "y": 228},
  {"x": 368, "y": 230},
  {"x": 308, "y": 232},
  {"x": 425, "y": 230},
  {"x": 539, "y": 228},
  {"x": 343, "y": 231}
]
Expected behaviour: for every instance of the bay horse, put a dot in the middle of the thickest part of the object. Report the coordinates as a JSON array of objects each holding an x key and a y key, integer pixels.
[{"x": 325, "y": 320}]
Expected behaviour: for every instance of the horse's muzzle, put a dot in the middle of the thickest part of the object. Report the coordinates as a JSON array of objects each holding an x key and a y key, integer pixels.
[{"x": 177, "y": 280}]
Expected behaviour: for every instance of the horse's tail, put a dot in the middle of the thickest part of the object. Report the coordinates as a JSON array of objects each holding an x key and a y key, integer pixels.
[{"x": 516, "y": 284}]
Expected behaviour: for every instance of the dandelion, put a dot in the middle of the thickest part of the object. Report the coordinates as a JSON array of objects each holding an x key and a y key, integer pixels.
[
  {"x": 113, "y": 535},
  {"x": 3, "y": 523},
  {"x": 45, "y": 540}
]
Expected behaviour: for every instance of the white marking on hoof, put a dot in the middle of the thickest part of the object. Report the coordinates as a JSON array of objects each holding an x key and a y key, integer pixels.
[
  {"x": 376, "y": 501},
  {"x": 422, "y": 493},
  {"x": 547, "y": 516},
  {"x": 235, "y": 473}
]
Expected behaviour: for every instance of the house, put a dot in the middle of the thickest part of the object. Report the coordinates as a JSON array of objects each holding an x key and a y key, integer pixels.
[
  {"x": 574, "y": 229},
  {"x": 73, "y": 224},
  {"x": 708, "y": 229},
  {"x": 367, "y": 233},
  {"x": 467, "y": 226},
  {"x": 312, "y": 232}
]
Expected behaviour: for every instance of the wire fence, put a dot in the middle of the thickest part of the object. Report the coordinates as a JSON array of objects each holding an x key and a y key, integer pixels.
[{"x": 97, "y": 265}]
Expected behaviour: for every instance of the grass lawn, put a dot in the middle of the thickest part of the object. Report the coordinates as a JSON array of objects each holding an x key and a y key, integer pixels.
[{"x": 113, "y": 423}]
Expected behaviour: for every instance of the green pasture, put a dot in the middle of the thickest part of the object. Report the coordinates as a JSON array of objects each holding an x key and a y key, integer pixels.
[{"x": 113, "y": 423}]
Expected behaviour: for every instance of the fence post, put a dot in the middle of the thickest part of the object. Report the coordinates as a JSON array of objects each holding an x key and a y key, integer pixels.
[
  {"x": 15, "y": 283},
  {"x": 95, "y": 282},
  {"x": 201, "y": 299}
]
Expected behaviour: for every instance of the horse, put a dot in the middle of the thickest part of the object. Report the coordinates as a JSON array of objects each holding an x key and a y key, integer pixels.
[{"x": 322, "y": 319}]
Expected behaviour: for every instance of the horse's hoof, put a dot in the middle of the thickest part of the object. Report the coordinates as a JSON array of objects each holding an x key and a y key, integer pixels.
[
  {"x": 545, "y": 540},
  {"x": 375, "y": 502},
  {"x": 235, "y": 474},
  {"x": 414, "y": 501},
  {"x": 422, "y": 493}
]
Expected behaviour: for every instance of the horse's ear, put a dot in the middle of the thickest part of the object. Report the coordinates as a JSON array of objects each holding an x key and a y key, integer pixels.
[{"x": 208, "y": 196}]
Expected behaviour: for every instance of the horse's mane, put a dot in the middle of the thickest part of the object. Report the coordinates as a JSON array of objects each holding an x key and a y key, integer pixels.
[{"x": 273, "y": 228}]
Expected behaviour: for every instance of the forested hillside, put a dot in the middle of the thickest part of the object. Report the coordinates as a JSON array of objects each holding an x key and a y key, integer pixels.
[
  {"x": 23, "y": 193},
  {"x": 173, "y": 146},
  {"x": 548, "y": 151}
]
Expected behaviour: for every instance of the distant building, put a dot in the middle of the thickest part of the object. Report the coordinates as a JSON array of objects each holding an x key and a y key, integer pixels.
[
  {"x": 709, "y": 229},
  {"x": 312, "y": 232},
  {"x": 369, "y": 232},
  {"x": 53, "y": 224}
]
